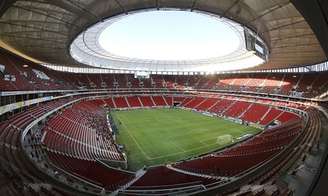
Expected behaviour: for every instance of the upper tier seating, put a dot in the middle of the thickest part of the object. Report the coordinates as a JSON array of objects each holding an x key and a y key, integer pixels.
[
  {"x": 158, "y": 81},
  {"x": 307, "y": 84}
]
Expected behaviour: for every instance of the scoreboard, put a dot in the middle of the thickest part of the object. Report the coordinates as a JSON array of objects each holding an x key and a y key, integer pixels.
[{"x": 255, "y": 43}]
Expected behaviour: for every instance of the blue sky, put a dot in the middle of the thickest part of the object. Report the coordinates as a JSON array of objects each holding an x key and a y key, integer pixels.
[{"x": 169, "y": 35}]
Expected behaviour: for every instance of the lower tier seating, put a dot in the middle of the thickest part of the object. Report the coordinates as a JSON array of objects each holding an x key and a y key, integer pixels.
[
  {"x": 91, "y": 170},
  {"x": 134, "y": 101},
  {"x": 81, "y": 131},
  {"x": 146, "y": 101},
  {"x": 246, "y": 155},
  {"x": 76, "y": 138},
  {"x": 167, "y": 178},
  {"x": 159, "y": 101}
]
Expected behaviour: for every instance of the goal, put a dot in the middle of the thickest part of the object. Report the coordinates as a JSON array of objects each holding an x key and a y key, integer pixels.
[{"x": 224, "y": 139}]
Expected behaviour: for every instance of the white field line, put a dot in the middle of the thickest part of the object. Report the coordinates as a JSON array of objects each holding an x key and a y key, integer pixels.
[
  {"x": 135, "y": 141},
  {"x": 167, "y": 155},
  {"x": 178, "y": 147},
  {"x": 190, "y": 150}
]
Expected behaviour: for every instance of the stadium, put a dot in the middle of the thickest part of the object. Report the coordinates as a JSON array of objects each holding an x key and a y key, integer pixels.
[{"x": 162, "y": 97}]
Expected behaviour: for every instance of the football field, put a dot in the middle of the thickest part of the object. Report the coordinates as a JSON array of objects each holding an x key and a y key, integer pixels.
[{"x": 158, "y": 136}]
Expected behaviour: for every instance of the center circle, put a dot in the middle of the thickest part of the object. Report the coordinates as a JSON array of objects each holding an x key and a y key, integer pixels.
[{"x": 169, "y": 35}]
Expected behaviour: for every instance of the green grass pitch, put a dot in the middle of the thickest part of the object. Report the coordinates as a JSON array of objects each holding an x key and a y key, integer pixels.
[{"x": 159, "y": 136}]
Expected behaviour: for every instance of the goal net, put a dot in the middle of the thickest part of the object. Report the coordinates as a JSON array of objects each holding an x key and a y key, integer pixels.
[{"x": 224, "y": 139}]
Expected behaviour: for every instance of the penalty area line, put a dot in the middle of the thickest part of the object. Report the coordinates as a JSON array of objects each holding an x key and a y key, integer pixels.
[{"x": 176, "y": 153}]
